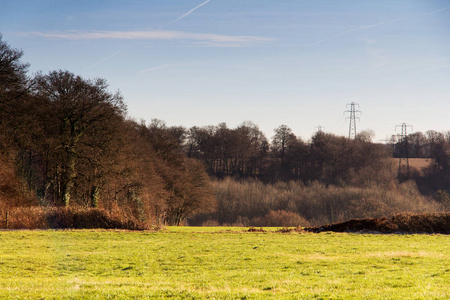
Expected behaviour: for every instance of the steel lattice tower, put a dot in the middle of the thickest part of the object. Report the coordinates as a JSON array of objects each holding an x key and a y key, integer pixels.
[
  {"x": 352, "y": 126},
  {"x": 403, "y": 160},
  {"x": 319, "y": 128}
]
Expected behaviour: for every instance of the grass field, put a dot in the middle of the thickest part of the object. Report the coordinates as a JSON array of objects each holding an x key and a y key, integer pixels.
[
  {"x": 417, "y": 165},
  {"x": 222, "y": 263}
]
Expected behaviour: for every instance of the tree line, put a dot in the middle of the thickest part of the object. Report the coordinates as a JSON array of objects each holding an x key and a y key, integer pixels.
[
  {"x": 431, "y": 144},
  {"x": 245, "y": 152},
  {"x": 72, "y": 143}
]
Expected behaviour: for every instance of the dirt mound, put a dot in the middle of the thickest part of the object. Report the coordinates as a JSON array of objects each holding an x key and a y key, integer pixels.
[{"x": 401, "y": 223}]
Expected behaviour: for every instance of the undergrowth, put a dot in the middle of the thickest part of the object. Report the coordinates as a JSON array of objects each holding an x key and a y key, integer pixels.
[
  {"x": 253, "y": 203},
  {"x": 64, "y": 218}
]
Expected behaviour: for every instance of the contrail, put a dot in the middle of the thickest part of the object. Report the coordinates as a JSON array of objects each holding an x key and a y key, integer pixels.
[
  {"x": 390, "y": 21},
  {"x": 186, "y": 14},
  {"x": 100, "y": 61},
  {"x": 359, "y": 29},
  {"x": 154, "y": 68},
  {"x": 435, "y": 11},
  {"x": 362, "y": 28}
]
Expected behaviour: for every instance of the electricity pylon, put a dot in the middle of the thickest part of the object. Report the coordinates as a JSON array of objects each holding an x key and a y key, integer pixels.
[
  {"x": 403, "y": 160},
  {"x": 352, "y": 126},
  {"x": 319, "y": 128}
]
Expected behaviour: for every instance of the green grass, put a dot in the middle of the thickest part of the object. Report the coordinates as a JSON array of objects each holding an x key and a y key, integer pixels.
[{"x": 222, "y": 263}]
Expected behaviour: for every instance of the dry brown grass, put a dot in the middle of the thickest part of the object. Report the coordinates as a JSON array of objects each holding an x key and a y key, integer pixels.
[
  {"x": 68, "y": 218},
  {"x": 418, "y": 166},
  {"x": 420, "y": 163}
]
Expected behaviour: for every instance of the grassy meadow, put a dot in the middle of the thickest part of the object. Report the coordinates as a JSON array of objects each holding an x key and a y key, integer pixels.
[{"x": 221, "y": 263}]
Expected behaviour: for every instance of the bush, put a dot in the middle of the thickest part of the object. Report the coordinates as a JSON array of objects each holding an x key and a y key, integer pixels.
[
  {"x": 280, "y": 218},
  {"x": 428, "y": 223},
  {"x": 210, "y": 223},
  {"x": 12, "y": 190},
  {"x": 443, "y": 197}
]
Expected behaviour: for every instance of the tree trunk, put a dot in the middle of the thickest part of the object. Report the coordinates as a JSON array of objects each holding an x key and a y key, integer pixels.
[
  {"x": 95, "y": 193},
  {"x": 69, "y": 175}
]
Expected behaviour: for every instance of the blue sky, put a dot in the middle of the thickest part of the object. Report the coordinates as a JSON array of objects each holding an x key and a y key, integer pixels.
[{"x": 292, "y": 62}]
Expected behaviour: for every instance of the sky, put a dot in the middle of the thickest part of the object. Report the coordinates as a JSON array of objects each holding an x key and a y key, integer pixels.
[{"x": 286, "y": 62}]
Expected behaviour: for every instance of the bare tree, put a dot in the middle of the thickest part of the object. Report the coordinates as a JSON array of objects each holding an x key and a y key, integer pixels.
[
  {"x": 281, "y": 140},
  {"x": 189, "y": 192},
  {"x": 76, "y": 106},
  {"x": 13, "y": 78},
  {"x": 14, "y": 86}
]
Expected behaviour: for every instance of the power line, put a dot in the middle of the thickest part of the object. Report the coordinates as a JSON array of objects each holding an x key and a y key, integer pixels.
[{"x": 352, "y": 126}]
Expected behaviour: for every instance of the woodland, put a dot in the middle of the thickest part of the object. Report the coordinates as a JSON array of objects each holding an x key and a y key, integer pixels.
[{"x": 69, "y": 153}]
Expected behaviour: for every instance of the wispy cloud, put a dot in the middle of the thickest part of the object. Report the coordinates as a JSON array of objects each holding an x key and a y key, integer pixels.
[
  {"x": 148, "y": 35},
  {"x": 186, "y": 14},
  {"x": 377, "y": 58},
  {"x": 219, "y": 44}
]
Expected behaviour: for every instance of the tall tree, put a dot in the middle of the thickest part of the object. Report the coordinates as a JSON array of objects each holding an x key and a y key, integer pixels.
[
  {"x": 14, "y": 86},
  {"x": 253, "y": 148},
  {"x": 13, "y": 77},
  {"x": 282, "y": 142},
  {"x": 76, "y": 107}
]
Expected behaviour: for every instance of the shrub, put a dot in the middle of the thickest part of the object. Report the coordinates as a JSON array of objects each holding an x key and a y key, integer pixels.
[
  {"x": 429, "y": 223},
  {"x": 210, "y": 223},
  {"x": 443, "y": 197},
  {"x": 12, "y": 190},
  {"x": 280, "y": 218},
  {"x": 246, "y": 203}
]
